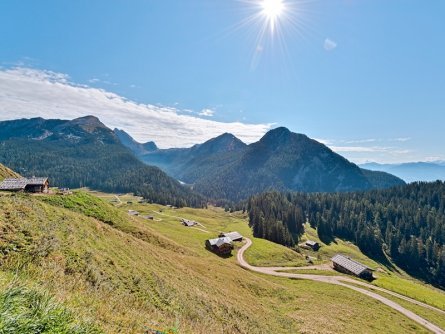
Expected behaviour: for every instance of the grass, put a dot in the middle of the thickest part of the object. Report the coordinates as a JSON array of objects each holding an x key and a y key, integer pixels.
[
  {"x": 431, "y": 315},
  {"x": 338, "y": 246},
  {"x": 121, "y": 273},
  {"x": 25, "y": 310},
  {"x": 264, "y": 253},
  {"x": 5, "y": 172},
  {"x": 412, "y": 289}
]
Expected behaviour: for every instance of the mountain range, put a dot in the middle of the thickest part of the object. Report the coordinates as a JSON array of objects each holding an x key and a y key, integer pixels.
[
  {"x": 226, "y": 168},
  {"x": 85, "y": 153},
  {"x": 412, "y": 171}
]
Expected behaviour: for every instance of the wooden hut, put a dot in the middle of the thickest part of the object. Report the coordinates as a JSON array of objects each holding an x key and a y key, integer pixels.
[
  {"x": 188, "y": 223},
  {"x": 315, "y": 246},
  {"x": 221, "y": 246},
  {"x": 348, "y": 266},
  {"x": 234, "y": 236},
  {"x": 37, "y": 185},
  {"x": 32, "y": 185}
]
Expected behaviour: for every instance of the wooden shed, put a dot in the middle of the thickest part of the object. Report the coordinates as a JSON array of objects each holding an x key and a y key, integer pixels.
[
  {"x": 221, "y": 246},
  {"x": 234, "y": 236},
  {"x": 188, "y": 223},
  {"x": 33, "y": 185},
  {"x": 37, "y": 185},
  {"x": 348, "y": 266},
  {"x": 313, "y": 245}
]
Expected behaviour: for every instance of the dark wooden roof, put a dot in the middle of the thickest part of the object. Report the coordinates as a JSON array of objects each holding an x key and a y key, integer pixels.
[{"x": 353, "y": 266}]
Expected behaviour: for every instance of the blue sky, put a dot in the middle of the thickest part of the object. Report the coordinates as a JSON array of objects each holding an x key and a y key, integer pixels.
[{"x": 366, "y": 77}]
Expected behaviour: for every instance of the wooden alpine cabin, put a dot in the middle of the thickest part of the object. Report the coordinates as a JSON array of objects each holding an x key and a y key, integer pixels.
[
  {"x": 220, "y": 246},
  {"x": 234, "y": 236},
  {"x": 32, "y": 185},
  {"x": 188, "y": 223},
  {"x": 315, "y": 246},
  {"x": 348, "y": 266}
]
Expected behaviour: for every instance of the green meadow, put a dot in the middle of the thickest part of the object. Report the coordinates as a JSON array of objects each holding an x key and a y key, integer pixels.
[{"x": 85, "y": 255}]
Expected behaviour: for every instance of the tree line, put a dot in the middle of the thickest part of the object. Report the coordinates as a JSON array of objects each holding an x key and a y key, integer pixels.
[{"x": 108, "y": 167}]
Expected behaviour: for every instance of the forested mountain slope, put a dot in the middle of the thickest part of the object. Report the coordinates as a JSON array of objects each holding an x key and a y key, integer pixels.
[
  {"x": 85, "y": 153},
  {"x": 404, "y": 223},
  {"x": 226, "y": 168}
]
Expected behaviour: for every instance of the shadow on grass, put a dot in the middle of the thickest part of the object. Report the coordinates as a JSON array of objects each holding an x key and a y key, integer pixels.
[{"x": 224, "y": 256}]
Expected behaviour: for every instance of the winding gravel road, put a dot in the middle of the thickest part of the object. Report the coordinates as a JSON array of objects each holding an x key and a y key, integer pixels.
[{"x": 343, "y": 281}]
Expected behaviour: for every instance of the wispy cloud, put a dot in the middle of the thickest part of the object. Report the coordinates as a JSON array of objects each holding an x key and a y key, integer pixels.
[
  {"x": 97, "y": 80},
  {"x": 369, "y": 149},
  {"x": 403, "y": 139},
  {"x": 329, "y": 44},
  {"x": 207, "y": 112},
  {"x": 27, "y": 92}
]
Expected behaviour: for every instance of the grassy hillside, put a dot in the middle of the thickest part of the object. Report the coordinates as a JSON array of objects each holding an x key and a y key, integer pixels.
[
  {"x": 5, "y": 172},
  {"x": 119, "y": 273}
]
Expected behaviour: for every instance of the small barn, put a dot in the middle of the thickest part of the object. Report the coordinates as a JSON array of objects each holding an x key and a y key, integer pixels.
[
  {"x": 32, "y": 185},
  {"x": 221, "y": 246},
  {"x": 133, "y": 213},
  {"x": 234, "y": 236},
  {"x": 348, "y": 266},
  {"x": 315, "y": 246},
  {"x": 188, "y": 223},
  {"x": 37, "y": 185}
]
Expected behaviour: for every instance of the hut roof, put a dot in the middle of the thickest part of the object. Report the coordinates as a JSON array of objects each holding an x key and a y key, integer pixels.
[
  {"x": 13, "y": 184},
  {"x": 21, "y": 183},
  {"x": 189, "y": 222},
  {"x": 353, "y": 266},
  {"x": 37, "y": 181},
  {"x": 232, "y": 235},
  {"x": 220, "y": 241},
  {"x": 311, "y": 243}
]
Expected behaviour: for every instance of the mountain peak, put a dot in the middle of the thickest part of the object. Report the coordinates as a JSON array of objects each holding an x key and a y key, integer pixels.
[
  {"x": 133, "y": 145},
  {"x": 88, "y": 123},
  {"x": 225, "y": 142},
  {"x": 277, "y": 136},
  {"x": 280, "y": 130}
]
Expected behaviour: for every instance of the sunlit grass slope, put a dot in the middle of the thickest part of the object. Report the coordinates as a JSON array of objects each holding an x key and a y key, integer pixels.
[
  {"x": 122, "y": 274},
  {"x": 5, "y": 172}
]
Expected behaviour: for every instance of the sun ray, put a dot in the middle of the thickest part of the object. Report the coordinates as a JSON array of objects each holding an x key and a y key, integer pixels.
[
  {"x": 272, "y": 9},
  {"x": 270, "y": 24}
]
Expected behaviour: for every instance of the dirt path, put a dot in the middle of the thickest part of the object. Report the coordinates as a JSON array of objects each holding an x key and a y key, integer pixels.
[
  {"x": 343, "y": 281},
  {"x": 118, "y": 199}
]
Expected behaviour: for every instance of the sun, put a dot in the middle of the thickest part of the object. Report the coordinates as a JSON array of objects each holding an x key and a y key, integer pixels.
[{"x": 272, "y": 9}]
